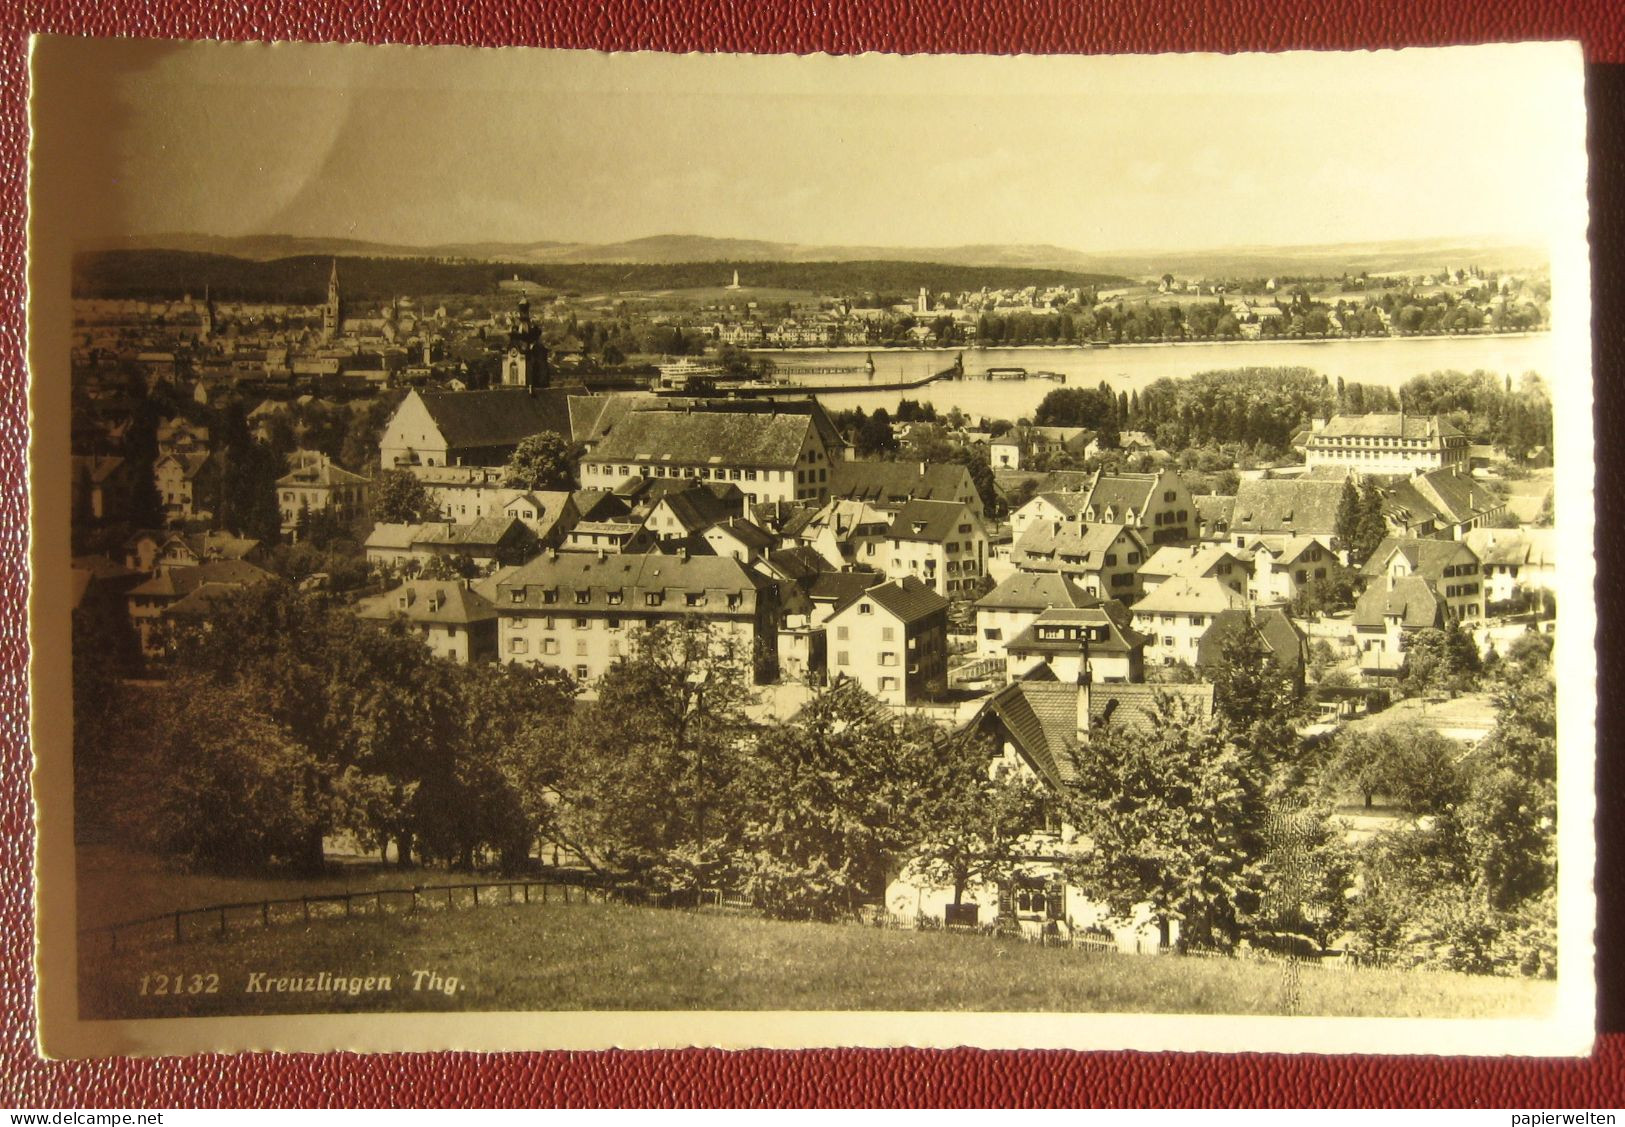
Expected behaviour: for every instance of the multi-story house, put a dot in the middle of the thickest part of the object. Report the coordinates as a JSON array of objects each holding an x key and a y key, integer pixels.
[
  {"x": 844, "y": 533},
  {"x": 886, "y": 484},
  {"x": 1281, "y": 639},
  {"x": 1178, "y": 613},
  {"x": 454, "y": 621},
  {"x": 1388, "y": 612},
  {"x": 188, "y": 485},
  {"x": 1286, "y": 508},
  {"x": 473, "y": 428},
  {"x": 1157, "y": 505},
  {"x": 1453, "y": 569},
  {"x": 149, "y": 601},
  {"x": 1445, "y": 504},
  {"x": 941, "y": 543},
  {"x": 1004, "y": 612},
  {"x": 1387, "y": 443},
  {"x": 1062, "y": 643},
  {"x": 609, "y": 536},
  {"x": 1103, "y": 559},
  {"x": 576, "y": 610},
  {"x": 1231, "y": 566},
  {"x": 1282, "y": 568},
  {"x": 1516, "y": 561},
  {"x": 771, "y": 451},
  {"x": 893, "y": 640},
  {"x": 314, "y": 484}
]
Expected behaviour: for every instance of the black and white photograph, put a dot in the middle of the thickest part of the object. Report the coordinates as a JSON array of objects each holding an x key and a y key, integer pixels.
[{"x": 557, "y": 549}]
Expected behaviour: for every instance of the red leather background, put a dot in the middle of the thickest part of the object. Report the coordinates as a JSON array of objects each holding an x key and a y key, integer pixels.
[{"x": 813, "y": 1078}]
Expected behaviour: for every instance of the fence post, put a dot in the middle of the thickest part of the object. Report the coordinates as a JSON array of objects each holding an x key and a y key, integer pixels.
[
  {"x": 476, "y": 895},
  {"x": 222, "y": 921},
  {"x": 378, "y": 901},
  {"x": 177, "y": 927},
  {"x": 304, "y": 902},
  {"x": 527, "y": 892},
  {"x": 414, "y": 898},
  {"x": 448, "y": 898},
  {"x": 265, "y": 913}
]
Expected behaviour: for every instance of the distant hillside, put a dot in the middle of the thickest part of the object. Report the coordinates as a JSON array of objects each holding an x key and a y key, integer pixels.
[
  {"x": 1411, "y": 256},
  {"x": 161, "y": 274}
]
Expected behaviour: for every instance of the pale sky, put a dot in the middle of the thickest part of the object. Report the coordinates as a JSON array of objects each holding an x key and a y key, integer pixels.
[{"x": 438, "y": 145}]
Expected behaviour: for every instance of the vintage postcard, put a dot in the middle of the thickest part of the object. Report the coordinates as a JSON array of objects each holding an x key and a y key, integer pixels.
[{"x": 548, "y": 549}]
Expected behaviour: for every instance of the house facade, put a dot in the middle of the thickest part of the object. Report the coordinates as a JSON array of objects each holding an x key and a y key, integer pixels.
[
  {"x": 1178, "y": 613},
  {"x": 1004, "y": 612},
  {"x": 454, "y": 622},
  {"x": 941, "y": 543},
  {"x": 314, "y": 484},
  {"x": 576, "y": 611},
  {"x": 1387, "y": 443},
  {"x": 473, "y": 428},
  {"x": 1450, "y": 566},
  {"x": 1103, "y": 559},
  {"x": 893, "y": 640}
]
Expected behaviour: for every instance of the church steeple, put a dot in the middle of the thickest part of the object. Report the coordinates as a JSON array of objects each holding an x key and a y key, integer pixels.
[{"x": 331, "y": 319}]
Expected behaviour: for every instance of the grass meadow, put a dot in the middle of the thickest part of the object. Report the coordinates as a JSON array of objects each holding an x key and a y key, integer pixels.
[{"x": 613, "y": 957}]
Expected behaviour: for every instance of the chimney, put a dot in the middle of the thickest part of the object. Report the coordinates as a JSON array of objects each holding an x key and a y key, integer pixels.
[{"x": 1085, "y": 676}]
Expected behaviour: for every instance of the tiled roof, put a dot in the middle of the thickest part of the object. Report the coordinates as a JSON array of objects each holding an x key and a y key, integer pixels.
[
  {"x": 1453, "y": 497},
  {"x": 799, "y": 564},
  {"x": 429, "y": 601},
  {"x": 503, "y": 416},
  {"x": 751, "y": 535},
  {"x": 1293, "y": 548},
  {"x": 1386, "y": 425},
  {"x": 398, "y": 537},
  {"x": 1411, "y": 597},
  {"x": 598, "y": 504},
  {"x": 1302, "y": 508},
  {"x": 1194, "y": 561},
  {"x": 929, "y": 521},
  {"x": 1112, "y": 637},
  {"x": 907, "y": 599},
  {"x": 1183, "y": 595},
  {"x": 182, "y": 581},
  {"x": 1427, "y": 557},
  {"x": 323, "y": 472},
  {"x": 1068, "y": 504},
  {"x": 1056, "y": 545},
  {"x": 1122, "y": 492},
  {"x": 1285, "y": 642},
  {"x": 483, "y": 532},
  {"x": 697, "y": 509},
  {"x": 1215, "y": 509},
  {"x": 1041, "y": 717},
  {"x": 734, "y": 438},
  {"x": 630, "y": 576},
  {"x": 890, "y": 483},
  {"x": 1036, "y": 590}
]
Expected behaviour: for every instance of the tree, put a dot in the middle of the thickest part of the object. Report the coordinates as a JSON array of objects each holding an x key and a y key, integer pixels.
[
  {"x": 825, "y": 794},
  {"x": 541, "y": 461},
  {"x": 1372, "y": 526},
  {"x": 1259, "y": 702},
  {"x": 655, "y": 760},
  {"x": 1348, "y": 512},
  {"x": 1440, "y": 660},
  {"x": 400, "y": 497},
  {"x": 972, "y": 822},
  {"x": 1175, "y": 820}
]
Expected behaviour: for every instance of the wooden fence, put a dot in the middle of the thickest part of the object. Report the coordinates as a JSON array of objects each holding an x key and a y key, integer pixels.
[{"x": 219, "y": 919}]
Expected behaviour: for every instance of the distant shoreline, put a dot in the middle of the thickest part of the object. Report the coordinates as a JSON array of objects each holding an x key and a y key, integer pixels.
[{"x": 881, "y": 350}]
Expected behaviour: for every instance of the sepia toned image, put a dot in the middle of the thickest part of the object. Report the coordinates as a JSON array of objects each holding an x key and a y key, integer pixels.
[{"x": 552, "y": 549}]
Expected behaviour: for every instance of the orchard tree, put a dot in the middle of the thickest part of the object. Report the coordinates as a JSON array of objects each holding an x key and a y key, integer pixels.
[
  {"x": 1176, "y": 820},
  {"x": 824, "y": 794},
  {"x": 972, "y": 821},
  {"x": 655, "y": 761}
]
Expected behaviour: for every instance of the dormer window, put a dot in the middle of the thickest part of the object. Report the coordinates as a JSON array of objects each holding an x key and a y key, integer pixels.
[
  {"x": 694, "y": 599},
  {"x": 583, "y": 597},
  {"x": 615, "y": 597},
  {"x": 517, "y": 594},
  {"x": 550, "y": 594}
]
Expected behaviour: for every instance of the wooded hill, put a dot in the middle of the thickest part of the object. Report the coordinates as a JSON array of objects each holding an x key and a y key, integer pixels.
[{"x": 169, "y": 274}]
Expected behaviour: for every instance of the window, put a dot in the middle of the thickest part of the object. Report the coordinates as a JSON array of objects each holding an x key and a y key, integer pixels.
[
  {"x": 583, "y": 597},
  {"x": 886, "y": 633},
  {"x": 517, "y": 622},
  {"x": 583, "y": 623},
  {"x": 549, "y": 622},
  {"x": 1111, "y": 559},
  {"x": 842, "y": 658},
  {"x": 964, "y": 528},
  {"x": 1198, "y": 620},
  {"x": 888, "y": 658},
  {"x": 581, "y": 673},
  {"x": 654, "y": 598},
  {"x": 550, "y": 594},
  {"x": 518, "y": 646},
  {"x": 615, "y": 595},
  {"x": 612, "y": 623},
  {"x": 867, "y": 608},
  {"x": 694, "y": 598},
  {"x": 750, "y": 475},
  {"x": 1167, "y": 639},
  {"x": 517, "y": 594},
  {"x": 841, "y": 633},
  {"x": 581, "y": 647},
  {"x": 734, "y": 601},
  {"x": 888, "y": 684}
]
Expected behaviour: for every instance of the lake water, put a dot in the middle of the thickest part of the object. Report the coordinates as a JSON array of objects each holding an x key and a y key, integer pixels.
[{"x": 1387, "y": 361}]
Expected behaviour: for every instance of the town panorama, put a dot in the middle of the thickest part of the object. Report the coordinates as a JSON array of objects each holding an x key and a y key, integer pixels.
[{"x": 897, "y": 630}]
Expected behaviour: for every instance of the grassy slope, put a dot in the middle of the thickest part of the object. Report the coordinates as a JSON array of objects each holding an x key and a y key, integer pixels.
[{"x": 618, "y": 958}]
